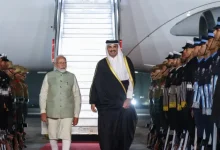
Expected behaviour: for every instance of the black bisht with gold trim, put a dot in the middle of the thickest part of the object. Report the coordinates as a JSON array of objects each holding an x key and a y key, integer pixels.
[{"x": 116, "y": 125}]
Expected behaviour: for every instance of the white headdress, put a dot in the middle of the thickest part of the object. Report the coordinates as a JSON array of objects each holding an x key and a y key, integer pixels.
[{"x": 118, "y": 63}]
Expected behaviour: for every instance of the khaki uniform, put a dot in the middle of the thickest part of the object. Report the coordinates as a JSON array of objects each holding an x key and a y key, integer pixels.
[
  {"x": 25, "y": 95},
  {"x": 25, "y": 98},
  {"x": 19, "y": 99},
  {"x": 13, "y": 88},
  {"x": 12, "y": 96}
]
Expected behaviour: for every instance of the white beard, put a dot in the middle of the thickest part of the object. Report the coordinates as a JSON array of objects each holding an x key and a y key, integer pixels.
[{"x": 62, "y": 70}]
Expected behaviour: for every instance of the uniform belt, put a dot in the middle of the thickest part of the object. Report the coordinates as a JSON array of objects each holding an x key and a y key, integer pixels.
[{"x": 20, "y": 99}]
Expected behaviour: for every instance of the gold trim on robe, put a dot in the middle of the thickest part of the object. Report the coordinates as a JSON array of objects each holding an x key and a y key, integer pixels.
[
  {"x": 112, "y": 70},
  {"x": 128, "y": 69}
]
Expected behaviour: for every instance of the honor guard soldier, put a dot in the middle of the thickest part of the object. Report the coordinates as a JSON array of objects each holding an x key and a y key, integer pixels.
[
  {"x": 167, "y": 82},
  {"x": 156, "y": 106},
  {"x": 179, "y": 98},
  {"x": 152, "y": 91},
  {"x": 13, "y": 137},
  {"x": 168, "y": 89},
  {"x": 11, "y": 105},
  {"x": 4, "y": 93},
  {"x": 186, "y": 86},
  {"x": 152, "y": 134},
  {"x": 5, "y": 98},
  {"x": 210, "y": 70},
  {"x": 156, "y": 100},
  {"x": 160, "y": 120},
  {"x": 165, "y": 72},
  {"x": 191, "y": 94},
  {"x": 203, "y": 121},
  {"x": 19, "y": 97},
  {"x": 172, "y": 94},
  {"x": 174, "y": 100},
  {"x": 10, "y": 112},
  {"x": 11, "y": 72},
  {"x": 198, "y": 81},
  {"x": 23, "y": 74},
  {"x": 19, "y": 106},
  {"x": 216, "y": 73},
  {"x": 168, "y": 101}
]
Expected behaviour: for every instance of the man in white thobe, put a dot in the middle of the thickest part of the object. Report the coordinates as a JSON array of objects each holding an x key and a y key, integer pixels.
[{"x": 60, "y": 103}]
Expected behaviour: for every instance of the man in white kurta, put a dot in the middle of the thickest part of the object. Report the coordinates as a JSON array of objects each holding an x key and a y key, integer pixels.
[{"x": 60, "y": 103}]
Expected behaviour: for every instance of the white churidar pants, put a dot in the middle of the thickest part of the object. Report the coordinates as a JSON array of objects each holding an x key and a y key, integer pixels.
[
  {"x": 58, "y": 129},
  {"x": 65, "y": 144}
]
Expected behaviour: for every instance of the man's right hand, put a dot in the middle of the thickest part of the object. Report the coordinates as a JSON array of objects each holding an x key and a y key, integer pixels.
[
  {"x": 44, "y": 117},
  {"x": 93, "y": 108}
]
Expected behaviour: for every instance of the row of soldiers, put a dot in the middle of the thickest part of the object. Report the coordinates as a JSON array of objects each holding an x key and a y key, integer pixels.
[
  {"x": 185, "y": 96},
  {"x": 13, "y": 104}
]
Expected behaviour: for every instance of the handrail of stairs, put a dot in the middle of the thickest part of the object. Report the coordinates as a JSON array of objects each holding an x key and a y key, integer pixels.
[
  {"x": 117, "y": 18},
  {"x": 55, "y": 15},
  {"x": 57, "y": 23}
]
